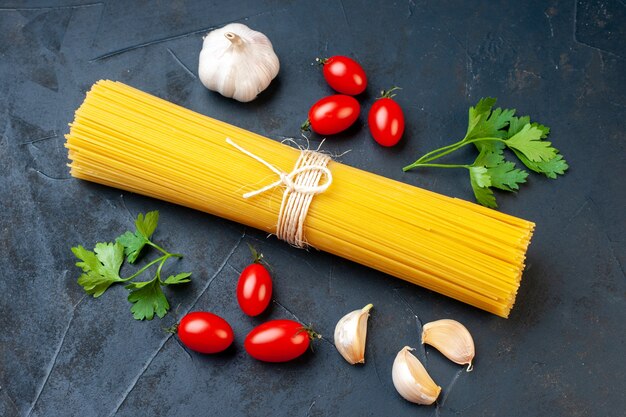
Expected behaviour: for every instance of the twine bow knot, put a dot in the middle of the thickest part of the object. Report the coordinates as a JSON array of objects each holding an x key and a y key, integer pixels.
[
  {"x": 288, "y": 179},
  {"x": 301, "y": 184}
]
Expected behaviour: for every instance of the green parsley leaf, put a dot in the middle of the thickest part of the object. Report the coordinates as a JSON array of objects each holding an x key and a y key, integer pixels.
[
  {"x": 491, "y": 126},
  {"x": 545, "y": 130},
  {"x": 178, "y": 278},
  {"x": 488, "y": 159},
  {"x": 479, "y": 112},
  {"x": 147, "y": 298},
  {"x": 483, "y": 195},
  {"x": 503, "y": 174},
  {"x": 133, "y": 243},
  {"x": 487, "y": 123},
  {"x": 506, "y": 177},
  {"x": 552, "y": 168},
  {"x": 516, "y": 124},
  {"x": 100, "y": 268},
  {"x": 528, "y": 141},
  {"x": 111, "y": 255},
  {"x": 147, "y": 225},
  {"x": 480, "y": 176},
  {"x": 480, "y": 181}
]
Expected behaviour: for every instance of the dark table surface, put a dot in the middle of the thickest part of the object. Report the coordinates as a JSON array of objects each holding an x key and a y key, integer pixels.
[{"x": 560, "y": 353}]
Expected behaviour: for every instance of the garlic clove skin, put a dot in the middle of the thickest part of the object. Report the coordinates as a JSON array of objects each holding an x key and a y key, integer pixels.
[
  {"x": 412, "y": 380},
  {"x": 350, "y": 335},
  {"x": 237, "y": 62},
  {"x": 452, "y": 339}
]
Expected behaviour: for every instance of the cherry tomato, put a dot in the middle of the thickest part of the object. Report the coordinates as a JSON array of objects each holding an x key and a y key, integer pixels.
[
  {"x": 254, "y": 289},
  {"x": 278, "y": 341},
  {"x": 344, "y": 75},
  {"x": 205, "y": 332},
  {"x": 333, "y": 114},
  {"x": 386, "y": 120}
]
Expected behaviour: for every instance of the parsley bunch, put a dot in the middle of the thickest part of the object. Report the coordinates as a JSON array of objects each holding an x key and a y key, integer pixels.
[
  {"x": 491, "y": 131},
  {"x": 101, "y": 268}
]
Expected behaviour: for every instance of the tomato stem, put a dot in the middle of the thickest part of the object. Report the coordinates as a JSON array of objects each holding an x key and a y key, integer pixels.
[
  {"x": 312, "y": 333},
  {"x": 389, "y": 93},
  {"x": 306, "y": 126},
  {"x": 172, "y": 329},
  {"x": 321, "y": 61},
  {"x": 258, "y": 256}
]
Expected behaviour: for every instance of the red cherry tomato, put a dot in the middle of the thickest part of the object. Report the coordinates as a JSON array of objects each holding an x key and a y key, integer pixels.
[
  {"x": 386, "y": 120},
  {"x": 205, "y": 332},
  {"x": 254, "y": 289},
  {"x": 344, "y": 75},
  {"x": 278, "y": 341},
  {"x": 333, "y": 114}
]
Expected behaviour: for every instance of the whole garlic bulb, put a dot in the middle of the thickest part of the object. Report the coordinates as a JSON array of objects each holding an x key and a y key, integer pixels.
[{"x": 237, "y": 62}]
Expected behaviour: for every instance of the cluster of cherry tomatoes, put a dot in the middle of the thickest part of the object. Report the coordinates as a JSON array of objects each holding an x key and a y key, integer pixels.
[
  {"x": 272, "y": 341},
  {"x": 336, "y": 113}
]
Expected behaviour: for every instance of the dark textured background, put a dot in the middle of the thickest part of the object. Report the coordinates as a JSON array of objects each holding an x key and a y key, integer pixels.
[{"x": 560, "y": 353}]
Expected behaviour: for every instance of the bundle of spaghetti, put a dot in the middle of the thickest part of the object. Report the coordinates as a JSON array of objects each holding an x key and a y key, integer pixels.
[{"x": 128, "y": 139}]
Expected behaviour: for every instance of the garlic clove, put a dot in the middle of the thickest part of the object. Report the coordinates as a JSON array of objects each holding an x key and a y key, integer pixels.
[
  {"x": 412, "y": 380},
  {"x": 237, "y": 62},
  {"x": 452, "y": 339},
  {"x": 350, "y": 335}
]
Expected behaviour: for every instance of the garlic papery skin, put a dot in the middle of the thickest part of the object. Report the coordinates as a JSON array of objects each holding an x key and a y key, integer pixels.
[
  {"x": 350, "y": 335},
  {"x": 237, "y": 62},
  {"x": 411, "y": 379},
  {"x": 452, "y": 339}
]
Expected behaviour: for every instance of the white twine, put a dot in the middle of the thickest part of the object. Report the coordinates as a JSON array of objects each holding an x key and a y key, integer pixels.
[{"x": 301, "y": 184}]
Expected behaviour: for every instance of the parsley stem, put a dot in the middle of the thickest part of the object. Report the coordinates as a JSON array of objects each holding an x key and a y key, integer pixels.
[
  {"x": 157, "y": 247},
  {"x": 441, "y": 165},
  {"x": 158, "y": 272},
  {"x": 482, "y": 140},
  {"x": 161, "y": 259},
  {"x": 438, "y": 153},
  {"x": 443, "y": 148},
  {"x": 148, "y": 265},
  {"x": 160, "y": 249}
]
